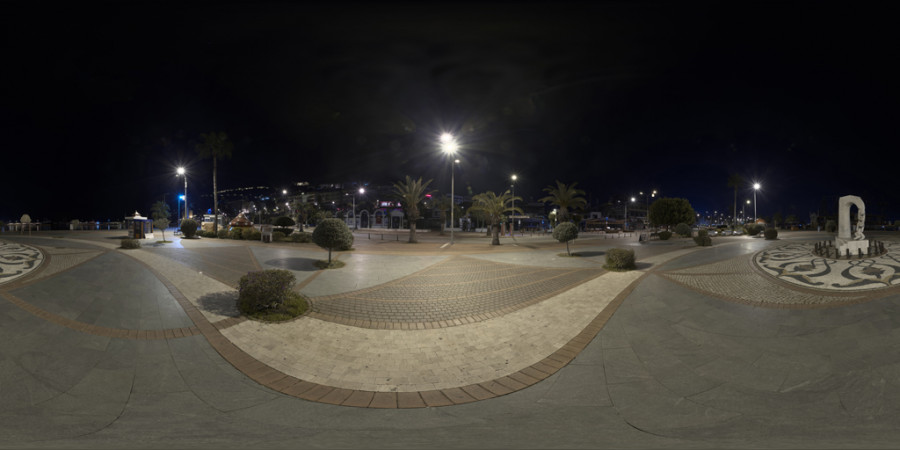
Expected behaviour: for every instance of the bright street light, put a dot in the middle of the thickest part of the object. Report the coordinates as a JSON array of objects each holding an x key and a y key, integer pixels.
[
  {"x": 756, "y": 187},
  {"x": 512, "y": 223},
  {"x": 449, "y": 147},
  {"x": 182, "y": 172},
  {"x": 355, "y": 220}
]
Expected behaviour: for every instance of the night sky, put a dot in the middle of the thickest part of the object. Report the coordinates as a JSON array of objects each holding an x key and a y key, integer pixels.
[{"x": 101, "y": 101}]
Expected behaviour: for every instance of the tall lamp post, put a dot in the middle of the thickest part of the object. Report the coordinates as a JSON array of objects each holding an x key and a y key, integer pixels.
[
  {"x": 756, "y": 187},
  {"x": 355, "y": 220},
  {"x": 183, "y": 173},
  {"x": 512, "y": 223},
  {"x": 449, "y": 146}
]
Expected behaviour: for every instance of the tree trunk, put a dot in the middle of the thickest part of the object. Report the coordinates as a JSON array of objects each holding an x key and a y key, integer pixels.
[
  {"x": 567, "y": 249},
  {"x": 412, "y": 232},
  {"x": 329, "y": 256},
  {"x": 496, "y": 238},
  {"x": 215, "y": 199}
]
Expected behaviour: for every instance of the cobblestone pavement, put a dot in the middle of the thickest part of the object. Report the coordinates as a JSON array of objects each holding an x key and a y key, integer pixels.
[
  {"x": 104, "y": 348},
  {"x": 456, "y": 291}
]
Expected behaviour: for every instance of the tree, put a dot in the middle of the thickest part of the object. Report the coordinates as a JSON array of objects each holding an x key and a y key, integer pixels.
[
  {"x": 735, "y": 180},
  {"x": 332, "y": 234},
  {"x": 777, "y": 218},
  {"x": 411, "y": 193},
  {"x": 25, "y": 220},
  {"x": 564, "y": 197},
  {"x": 565, "y": 232},
  {"x": 671, "y": 211},
  {"x": 215, "y": 145},
  {"x": 160, "y": 213},
  {"x": 494, "y": 207}
]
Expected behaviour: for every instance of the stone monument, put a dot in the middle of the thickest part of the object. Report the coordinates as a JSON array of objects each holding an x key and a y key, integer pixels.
[{"x": 847, "y": 238}]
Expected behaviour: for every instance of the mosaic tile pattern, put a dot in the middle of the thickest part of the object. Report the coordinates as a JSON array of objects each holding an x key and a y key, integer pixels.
[
  {"x": 18, "y": 260},
  {"x": 797, "y": 264}
]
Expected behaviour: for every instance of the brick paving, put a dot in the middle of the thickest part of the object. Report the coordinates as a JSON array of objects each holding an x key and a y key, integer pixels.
[{"x": 450, "y": 293}]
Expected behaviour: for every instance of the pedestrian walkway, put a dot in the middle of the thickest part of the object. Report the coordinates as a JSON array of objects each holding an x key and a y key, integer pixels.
[{"x": 687, "y": 351}]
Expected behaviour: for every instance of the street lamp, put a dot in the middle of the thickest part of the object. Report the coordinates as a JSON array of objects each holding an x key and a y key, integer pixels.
[
  {"x": 355, "y": 221},
  {"x": 512, "y": 223},
  {"x": 449, "y": 146},
  {"x": 743, "y": 215},
  {"x": 183, "y": 173},
  {"x": 756, "y": 187}
]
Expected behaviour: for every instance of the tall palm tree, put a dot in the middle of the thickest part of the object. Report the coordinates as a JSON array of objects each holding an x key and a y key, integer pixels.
[
  {"x": 442, "y": 205},
  {"x": 735, "y": 180},
  {"x": 215, "y": 145},
  {"x": 564, "y": 197},
  {"x": 494, "y": 207},
  {"x": 411, "y": 193}
]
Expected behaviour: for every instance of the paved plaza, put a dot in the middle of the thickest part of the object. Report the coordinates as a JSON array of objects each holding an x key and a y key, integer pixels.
[{"x": 463, "y": 346}]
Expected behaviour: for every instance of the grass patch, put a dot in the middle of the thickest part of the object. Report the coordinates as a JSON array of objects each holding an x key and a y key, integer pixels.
[
  {"x": 163, "y": 242},
  {"x": 566, "y": 255},
  {"x": 294, "y": 306},
  {"x": 335, "y": 264}
]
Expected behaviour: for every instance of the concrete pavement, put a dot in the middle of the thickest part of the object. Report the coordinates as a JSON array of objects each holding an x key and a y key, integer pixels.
[{"x": 651, "y": 358}]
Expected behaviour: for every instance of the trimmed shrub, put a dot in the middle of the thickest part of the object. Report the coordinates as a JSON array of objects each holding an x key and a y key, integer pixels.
[
  {"x": 683, "y": 229},
  {"x": 664, "y": 235},
  {"x": 565, "y": 232},
  {"x": 753, "y": 229},
  {"x": 253, "y": 235},
  {"x": 703, "y": 238},
  {"x": 771, "y": 234},
  {"x": 130, "y": 243},
  {"x": 277, "y": 236},
  {"x": 284, "y": 231},
  {"x": 333, "y": 234},
  {"x": 223, "y": 234},
  {"x": 237, "y": 234},
  {"x": 830, "y": 226},
  {"x": 283, "y": 222},
  {"x": 618, "y": 259},
  {"x": 208, "y": 234},
  {"x": 301, "y": 237},
  {"x": 189, "y": 228},
  {"x": 264, "y": 289}
]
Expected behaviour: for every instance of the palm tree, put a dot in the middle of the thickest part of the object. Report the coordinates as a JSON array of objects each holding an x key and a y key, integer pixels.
[
  {"x": 215, "y": 145},
  {"x": 442, "y": 205},
  {"x": 735, "y": 180},
  {"x": 494, "y": 207},
  {"x": 564, "y": 197},
  {"x": 411, "y": 193}
]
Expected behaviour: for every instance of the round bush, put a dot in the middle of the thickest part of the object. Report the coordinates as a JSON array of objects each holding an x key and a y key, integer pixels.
[
  {"x": 664, "y": 235},
  {"x": 285, "y": 231},
  {"x": 771, "y": 234},
  {"x": 189, "y": 228},
  {"x": 283, "y": 222},
  {"x": 619, "y": 259},
  {"x": 753, "y": 229},
  {"x": 223, "y": 234},
  {"x": 277, "y": 236},
  {"x": 333, "y": 234},
  {"x": 253, "y": 235},
  {"x": 830, "y": 226},
  {"x": 130, "y": 243},
  {"x": 565, "y": 232},
  {"x": 264, "y": 289},
  {"x": 683, "y": 229},
  {"x": 237, "y": 233},
  {"x": 301, "y": 237}
]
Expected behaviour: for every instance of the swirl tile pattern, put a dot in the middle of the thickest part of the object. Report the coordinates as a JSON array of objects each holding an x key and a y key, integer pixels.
[{"x": 18, "y": 260}]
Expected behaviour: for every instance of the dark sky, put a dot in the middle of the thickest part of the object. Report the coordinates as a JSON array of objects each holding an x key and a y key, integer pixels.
[{"x": 102, "y": 100}]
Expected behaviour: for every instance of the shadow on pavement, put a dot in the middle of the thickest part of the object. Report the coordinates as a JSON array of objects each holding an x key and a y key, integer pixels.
[
  {"x": 222, "y": 303},
  {"x": 299, "y": 264},
  {"x": 589, "y": 253}
]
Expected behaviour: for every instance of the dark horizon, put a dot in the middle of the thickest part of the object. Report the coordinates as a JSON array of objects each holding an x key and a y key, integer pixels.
[{"x": 102, "y": 100}]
